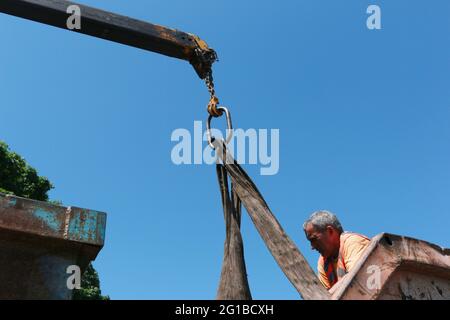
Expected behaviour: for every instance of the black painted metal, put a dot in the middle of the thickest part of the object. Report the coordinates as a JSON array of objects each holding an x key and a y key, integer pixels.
[{"x": 117, "y": 28}]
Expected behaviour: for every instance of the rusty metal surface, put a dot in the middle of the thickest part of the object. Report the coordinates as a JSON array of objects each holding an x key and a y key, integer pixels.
[
  {"x": 118, "y": 28},
  {"x": 396, "y": 267},
  {"x": 38, "y": 241},
  {"x": 47, "y": 220}
]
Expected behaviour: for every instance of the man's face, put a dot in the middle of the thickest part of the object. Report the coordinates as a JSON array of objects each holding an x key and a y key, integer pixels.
[{"x": 322, "y": 241}]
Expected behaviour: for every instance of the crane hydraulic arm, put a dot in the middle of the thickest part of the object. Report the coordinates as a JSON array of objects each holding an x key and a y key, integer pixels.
[{"x": 117, "y": 28}]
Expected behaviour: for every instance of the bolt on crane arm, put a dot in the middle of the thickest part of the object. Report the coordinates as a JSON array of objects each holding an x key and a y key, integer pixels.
[{"x": 117, "y": 28}]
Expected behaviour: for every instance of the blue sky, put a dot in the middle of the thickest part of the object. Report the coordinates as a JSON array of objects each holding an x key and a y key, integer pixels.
[{"x": 363, "y": 118}]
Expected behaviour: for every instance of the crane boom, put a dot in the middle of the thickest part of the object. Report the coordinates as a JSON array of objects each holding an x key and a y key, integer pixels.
[{"x": 118, "y": 28}]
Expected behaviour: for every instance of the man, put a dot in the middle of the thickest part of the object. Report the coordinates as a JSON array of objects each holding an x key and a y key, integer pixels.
[{"x": 339, "y": 250}]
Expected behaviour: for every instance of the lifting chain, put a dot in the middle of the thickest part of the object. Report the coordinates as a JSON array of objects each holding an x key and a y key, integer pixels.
[
  {"x": 214, "y": 101},
  {"x": 215, "y": 111}
]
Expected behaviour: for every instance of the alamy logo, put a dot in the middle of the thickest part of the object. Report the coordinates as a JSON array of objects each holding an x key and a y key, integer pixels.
[
  {"x": 374, "y": 20},
  {"x": 191, "y": 149},
  {"x": 74, "y": 280},
  {"x": 74, "y": 20},
  {"x": 374, "y": 280}
]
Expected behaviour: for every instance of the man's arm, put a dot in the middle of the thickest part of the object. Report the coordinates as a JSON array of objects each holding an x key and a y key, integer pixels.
[{"x": 353, "y": 249}]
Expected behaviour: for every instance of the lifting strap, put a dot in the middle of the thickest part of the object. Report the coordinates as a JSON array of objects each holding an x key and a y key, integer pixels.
[
  {"x": 233, "y": 278},
  {"x": 233, "y": 282}
]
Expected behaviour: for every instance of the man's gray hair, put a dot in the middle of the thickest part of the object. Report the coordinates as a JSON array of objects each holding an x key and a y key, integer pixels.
[{"x": 322, "y": 219}]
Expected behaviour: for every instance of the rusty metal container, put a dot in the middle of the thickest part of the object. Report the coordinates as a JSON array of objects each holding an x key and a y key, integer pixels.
[
  {"x": 39, "y": 241},
  {"x": 399, "y": 268}
]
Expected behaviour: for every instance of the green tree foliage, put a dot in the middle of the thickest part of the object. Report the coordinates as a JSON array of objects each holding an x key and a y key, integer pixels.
[
  {"x": 18, "y": 178},
  {"x": 90, "y": 286}
]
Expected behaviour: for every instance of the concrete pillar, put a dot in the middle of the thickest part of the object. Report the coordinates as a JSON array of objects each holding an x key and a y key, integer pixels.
[{"x": 39, "y": 241}]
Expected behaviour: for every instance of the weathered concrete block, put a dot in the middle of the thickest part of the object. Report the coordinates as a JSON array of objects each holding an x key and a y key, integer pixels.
[{"x": 39, "y": 241}]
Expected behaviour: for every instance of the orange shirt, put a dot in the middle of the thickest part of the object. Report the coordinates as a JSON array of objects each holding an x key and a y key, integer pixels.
[{"x": 352, "y": 246}]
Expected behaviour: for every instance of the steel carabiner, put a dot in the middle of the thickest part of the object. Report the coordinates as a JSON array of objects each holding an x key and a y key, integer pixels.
[{"x": 229, "y": 127}]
